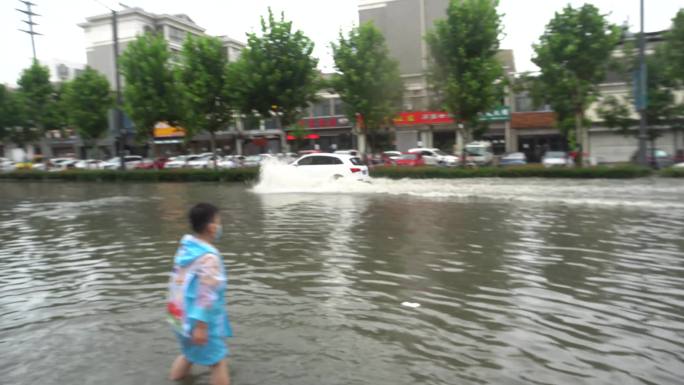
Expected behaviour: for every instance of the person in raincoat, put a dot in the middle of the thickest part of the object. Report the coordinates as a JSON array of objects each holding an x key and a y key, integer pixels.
[{"x": 196, "y": 303}]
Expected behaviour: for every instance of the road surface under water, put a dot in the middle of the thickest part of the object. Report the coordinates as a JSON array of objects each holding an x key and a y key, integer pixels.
[{"x": 396, "y": 282}]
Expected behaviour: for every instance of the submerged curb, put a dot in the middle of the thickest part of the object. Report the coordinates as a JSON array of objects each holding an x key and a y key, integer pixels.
[{"x": 252, "y": 174}]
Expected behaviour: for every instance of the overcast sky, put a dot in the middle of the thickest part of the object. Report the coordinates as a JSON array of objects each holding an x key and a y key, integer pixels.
[{"x": 321, "y": 20}]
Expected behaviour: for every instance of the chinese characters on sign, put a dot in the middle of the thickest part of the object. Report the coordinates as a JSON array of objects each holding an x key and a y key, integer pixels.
[
  {"x": 423, "y": 117},
  {"x": 502, "y": 113}
]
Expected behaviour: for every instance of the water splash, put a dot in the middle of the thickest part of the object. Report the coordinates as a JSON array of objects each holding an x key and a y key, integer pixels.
[{"x": 280, "y": 178}]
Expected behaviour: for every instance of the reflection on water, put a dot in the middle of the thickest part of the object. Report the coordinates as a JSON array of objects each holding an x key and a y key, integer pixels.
[{"x": 584, "y": 286}]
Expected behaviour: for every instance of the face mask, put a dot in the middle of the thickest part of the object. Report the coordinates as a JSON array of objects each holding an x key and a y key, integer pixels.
[{"x": 219, "y": 232}]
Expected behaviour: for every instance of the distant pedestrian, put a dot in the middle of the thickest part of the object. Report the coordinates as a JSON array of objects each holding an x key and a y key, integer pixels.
[{"x": 196, "y": 304}]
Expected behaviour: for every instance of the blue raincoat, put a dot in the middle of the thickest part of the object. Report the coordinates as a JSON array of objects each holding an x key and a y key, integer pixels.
[{"x": 196, "y": 293}]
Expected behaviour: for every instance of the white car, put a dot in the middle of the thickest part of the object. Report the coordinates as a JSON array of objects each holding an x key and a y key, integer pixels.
[
  {"x": 89, "y": 164},
  {"x": 556, "y": 159},
  {"x": 179, "y": 161},
  {"x": 679, "y": 165},
  {"x": 202, "y": 161},
  {"x": 6, "y": 165},
  {"x": 331, "y": 166},
  {"x": 393, "y": 155},
  {"x": 435, "y": 156},
  {"x": 255, "y": 160},
  {"x": 55, "y": 164},
  {"x": 226, "y": 162},
  {"x": 115, "y": 163}
]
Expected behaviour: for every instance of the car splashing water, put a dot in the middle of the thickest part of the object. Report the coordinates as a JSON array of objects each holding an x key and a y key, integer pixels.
[
  {"x": 281, "y": 178},
  {"x": 394, "y": 282}
]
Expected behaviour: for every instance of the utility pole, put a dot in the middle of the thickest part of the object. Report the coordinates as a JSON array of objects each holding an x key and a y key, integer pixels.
[
  {"x": 29, "y": 13},
  {"x": 118, "y": 117},
  {"x": 641, "y": 98}
]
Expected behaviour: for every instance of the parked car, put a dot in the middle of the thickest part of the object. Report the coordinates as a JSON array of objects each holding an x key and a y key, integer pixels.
[
  {"x": 331, "y": 166},
  {"x": 479, "y": 153},
  {"x": 7, "y": 165},
  {"x": 556, "y": 159},
  {"x": 204, "y": 161},
  {"x": 56, "y": 164},
  {"x": 131, "y": 161},
  {"x": 410, "y": 159},
  {"x": 513, "y": 159},
  {"x": 659, "y": 158},
  {"x": 179, "y": 161},
  {"x": 152, "y": 164},
  {"x": 347, "y": 152},
  {"x": 89, "y": 164},
  {"x": 436, "y": 157},
  {"x": 393, "y": 155},
  {"x": 255, "y": 160},
  {"x": 305, "y": 152}
]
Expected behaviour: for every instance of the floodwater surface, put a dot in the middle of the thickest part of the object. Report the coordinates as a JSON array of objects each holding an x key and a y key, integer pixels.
[{"x": 395, "y": 282}]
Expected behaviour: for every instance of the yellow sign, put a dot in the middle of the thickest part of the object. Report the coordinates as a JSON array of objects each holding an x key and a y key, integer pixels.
[{"x": 164, "y": 130}]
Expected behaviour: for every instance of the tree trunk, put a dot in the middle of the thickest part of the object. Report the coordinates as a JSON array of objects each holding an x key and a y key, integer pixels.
[
  {"x": 212, "y": 141},
  {"x": 579, "y": 139},
  {"x": 464, "y": 138}
]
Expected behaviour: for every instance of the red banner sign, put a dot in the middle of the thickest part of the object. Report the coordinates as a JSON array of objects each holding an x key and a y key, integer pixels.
[{"x": 422, "y": 117}]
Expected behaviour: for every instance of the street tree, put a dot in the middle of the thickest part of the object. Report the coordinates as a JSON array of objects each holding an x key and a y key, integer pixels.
[
  {"x": 673, "y": 48},
  {"x": 150, "y": 92},
  {"x": 368, "y": 80},
  {"x": 573, "y": 55},
  {"x": 202, "y": 80},
  {"x": 662, "y": 109},
  {"x": 276, "y": 74},
  {"x": 37, "y": 96},
  {"x": 11, "y": 114},
  {"x": 465, "y": 72},
  {"x": 87, "y": 100}
]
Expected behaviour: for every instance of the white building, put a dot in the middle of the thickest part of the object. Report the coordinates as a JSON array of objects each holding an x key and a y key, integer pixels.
[{"x": 132, "y": 22}]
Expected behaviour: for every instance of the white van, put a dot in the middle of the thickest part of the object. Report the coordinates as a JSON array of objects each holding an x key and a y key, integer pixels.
[{"x": 479, "y": 153}]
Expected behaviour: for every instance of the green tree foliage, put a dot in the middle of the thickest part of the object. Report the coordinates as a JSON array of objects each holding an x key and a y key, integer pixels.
[
  {"x": 674, "y": 47},
  {"x": 464, "y": 70},
  {"x": 573, "y": 55},
  {"x": 662, "y": 109},
  {"x": 11, "y": 113},
  {"x": 56, "y": 118},
  {"x": 150, "y": 92},
  {"x": 276, "y": 73},
  {"x": 202, "y": 78},
  {"x": 87, "y": 100},
  {"x": 368, "y": 81},
  {"x": 36, "y": 93}
]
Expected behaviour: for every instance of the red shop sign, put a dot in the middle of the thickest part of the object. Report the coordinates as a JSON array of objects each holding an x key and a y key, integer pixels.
[{"x": 423, "y": 117}]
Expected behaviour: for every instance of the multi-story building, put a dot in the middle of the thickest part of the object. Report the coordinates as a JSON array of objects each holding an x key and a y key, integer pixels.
[
  {"x": 404, "y": 24},
  {"x": 533, "y": 127},
  {"x": 132, "y": 22}
]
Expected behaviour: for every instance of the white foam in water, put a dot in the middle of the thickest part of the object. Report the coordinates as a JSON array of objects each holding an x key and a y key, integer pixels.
[
  {"x": 280, "y": 178},
  {"x": 412, "y": 305}
]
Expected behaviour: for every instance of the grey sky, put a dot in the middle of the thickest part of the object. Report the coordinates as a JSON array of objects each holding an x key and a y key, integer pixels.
[{"x": 321, "y": 20}]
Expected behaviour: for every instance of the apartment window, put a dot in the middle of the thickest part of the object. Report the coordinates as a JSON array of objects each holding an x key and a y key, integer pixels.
[
  {"x": 322, "y": 108},
  {"x": 525, "y": 103},
  {"x": 176, "y": 34},
  {"x": 338, "y": 107}
]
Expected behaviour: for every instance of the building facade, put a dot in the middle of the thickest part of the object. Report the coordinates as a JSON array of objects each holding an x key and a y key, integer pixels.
[
  {"x": 404, "y": 24},
  {"x": 132, "y": 22}
]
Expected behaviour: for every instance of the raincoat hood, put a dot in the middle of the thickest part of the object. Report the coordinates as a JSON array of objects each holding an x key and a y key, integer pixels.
[{"x": 192, "y": 248}]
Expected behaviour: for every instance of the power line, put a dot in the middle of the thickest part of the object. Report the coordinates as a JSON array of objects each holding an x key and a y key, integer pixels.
[{"x": 29, "y": 23}]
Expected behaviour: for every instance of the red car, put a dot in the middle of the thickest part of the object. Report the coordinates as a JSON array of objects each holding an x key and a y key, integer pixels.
[
  {"x": 156, "y": 164},
  {"x": 408, "y": 159}
]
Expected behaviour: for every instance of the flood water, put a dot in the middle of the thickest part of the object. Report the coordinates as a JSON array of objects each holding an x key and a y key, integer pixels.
[{"x": 507, "y": 281}]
